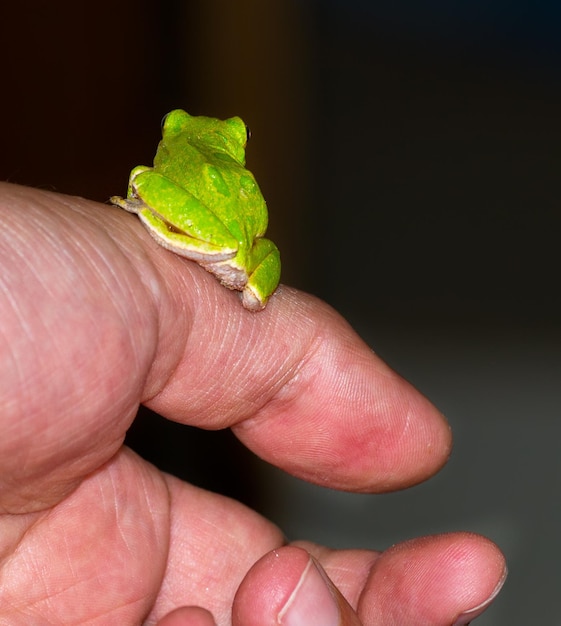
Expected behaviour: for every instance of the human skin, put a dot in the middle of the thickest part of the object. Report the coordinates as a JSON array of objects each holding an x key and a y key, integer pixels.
[{"x": 96, "y": 318}]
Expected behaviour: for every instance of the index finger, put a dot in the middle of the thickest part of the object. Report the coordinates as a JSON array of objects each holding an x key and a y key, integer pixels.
[{"x": 97, "y": 318}]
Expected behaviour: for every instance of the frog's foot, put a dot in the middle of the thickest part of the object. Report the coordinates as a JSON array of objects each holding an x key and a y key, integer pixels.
[
  {"x": 261, "y": 282},
  {"x": 230, "y": 276}
]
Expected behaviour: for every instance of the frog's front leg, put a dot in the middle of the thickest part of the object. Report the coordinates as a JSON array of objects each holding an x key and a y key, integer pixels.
[
  {"x": 264, "y": 274},
  {"x": 131, "y": 203}
]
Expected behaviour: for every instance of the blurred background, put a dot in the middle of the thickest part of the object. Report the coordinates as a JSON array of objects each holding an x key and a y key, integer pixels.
[{"x": 410, "y": 156}]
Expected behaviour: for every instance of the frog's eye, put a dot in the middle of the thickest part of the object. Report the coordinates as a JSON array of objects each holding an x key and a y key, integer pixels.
[{"x": 247, "y": 132}]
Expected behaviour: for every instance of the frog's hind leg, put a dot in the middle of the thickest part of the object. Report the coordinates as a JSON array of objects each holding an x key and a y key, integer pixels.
[{"x": 264, "y": 277}]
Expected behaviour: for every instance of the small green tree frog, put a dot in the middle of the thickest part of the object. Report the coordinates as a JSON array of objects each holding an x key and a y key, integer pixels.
[{"x": 199, "y": 201}]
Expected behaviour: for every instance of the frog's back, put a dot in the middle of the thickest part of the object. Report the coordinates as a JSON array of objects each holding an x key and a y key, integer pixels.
[{"x": 218, "y": 181}]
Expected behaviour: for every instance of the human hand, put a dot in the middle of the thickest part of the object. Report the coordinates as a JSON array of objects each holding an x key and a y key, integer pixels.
[{"x": 96, "y": 318}]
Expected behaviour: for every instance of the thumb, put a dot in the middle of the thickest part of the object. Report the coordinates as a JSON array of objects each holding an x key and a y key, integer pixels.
[{"x": 289, "y": 587}]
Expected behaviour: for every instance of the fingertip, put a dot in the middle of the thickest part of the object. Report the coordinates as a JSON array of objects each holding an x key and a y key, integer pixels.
[
  {"x": 289, "y": 587},
  {"x": 345, "y": 419},
  {"x": 434, "y": 580},
  {"x": 268, "y": 585}
]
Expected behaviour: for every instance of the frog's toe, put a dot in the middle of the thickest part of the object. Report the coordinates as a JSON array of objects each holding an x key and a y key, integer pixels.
[{"x": 251, "y": 300}]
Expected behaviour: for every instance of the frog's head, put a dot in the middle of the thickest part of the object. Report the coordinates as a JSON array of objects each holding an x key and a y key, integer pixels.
[{"x": 225, "y": 136}]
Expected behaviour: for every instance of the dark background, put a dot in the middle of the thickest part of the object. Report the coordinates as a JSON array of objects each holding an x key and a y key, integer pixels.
[{"x": 410, "y": 156}]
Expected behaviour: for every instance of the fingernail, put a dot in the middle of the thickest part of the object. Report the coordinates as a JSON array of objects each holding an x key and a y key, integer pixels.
[
  {"x": 311, "y": 603},
  {"x": 465, "y": 618}
]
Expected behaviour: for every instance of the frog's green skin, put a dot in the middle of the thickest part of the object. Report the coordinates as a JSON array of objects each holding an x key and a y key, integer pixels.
[{"x": 200, "y": 202}]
